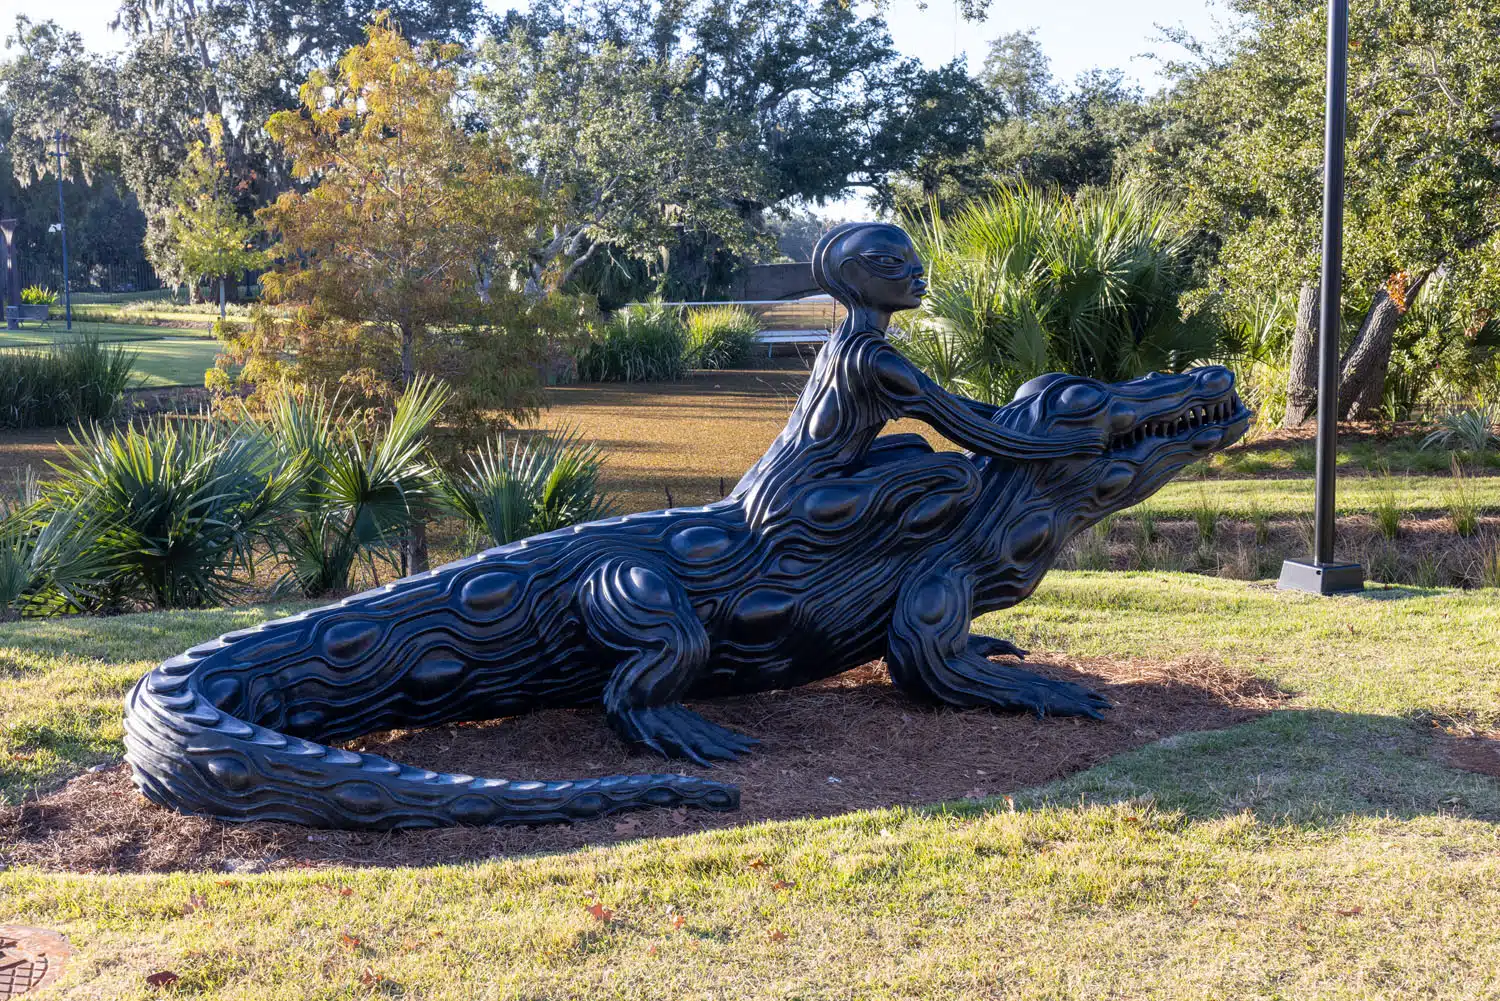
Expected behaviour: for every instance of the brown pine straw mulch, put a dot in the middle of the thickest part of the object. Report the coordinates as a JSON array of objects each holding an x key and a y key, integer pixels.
[{"x": 849, "y": 743}]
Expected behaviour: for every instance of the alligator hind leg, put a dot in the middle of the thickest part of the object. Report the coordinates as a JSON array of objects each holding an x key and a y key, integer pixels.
[
  {"x": 643, "y": 614},
  {"x": 932, "y": 656}
]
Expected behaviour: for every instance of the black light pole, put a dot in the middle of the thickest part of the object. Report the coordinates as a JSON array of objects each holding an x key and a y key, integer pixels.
[
  {"x": 62, "y": 226},
  {"x": 1322, "y": 574}
]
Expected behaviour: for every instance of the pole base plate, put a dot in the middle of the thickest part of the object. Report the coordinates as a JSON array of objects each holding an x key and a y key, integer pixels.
[{"x": 1321, "y": 578}]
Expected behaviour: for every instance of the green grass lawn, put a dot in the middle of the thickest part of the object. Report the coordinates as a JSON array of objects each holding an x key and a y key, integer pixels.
[
  {"x": 1240, "y": 498},
  {"x": 166, "y": 356},
  {"x": 1322, "y": 851}
]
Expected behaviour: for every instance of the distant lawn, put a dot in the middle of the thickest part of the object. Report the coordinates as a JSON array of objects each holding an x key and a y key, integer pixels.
[
  {"x": 166, "y": 356},
  {"x": 1323, "y": 851}
]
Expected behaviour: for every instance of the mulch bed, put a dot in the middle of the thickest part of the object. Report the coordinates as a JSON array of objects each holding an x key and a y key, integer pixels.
[{"x": 850, "y": 743}]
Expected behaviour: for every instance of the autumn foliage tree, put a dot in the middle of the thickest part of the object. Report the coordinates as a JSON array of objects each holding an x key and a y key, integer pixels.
[
  {"x": 401, "y": 216},
  {"x": 395, "y": 251}
]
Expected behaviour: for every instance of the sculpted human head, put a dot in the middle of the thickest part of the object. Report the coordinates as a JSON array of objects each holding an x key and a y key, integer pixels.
[{"x": 870, "y": 265}]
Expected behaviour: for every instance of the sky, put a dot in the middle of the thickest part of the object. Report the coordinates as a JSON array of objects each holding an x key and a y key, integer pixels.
[{"x": 1076, "y": 35}]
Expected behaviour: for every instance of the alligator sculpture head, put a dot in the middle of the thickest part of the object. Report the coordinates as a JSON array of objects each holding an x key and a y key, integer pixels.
[{"x": 1156, "y": 424}]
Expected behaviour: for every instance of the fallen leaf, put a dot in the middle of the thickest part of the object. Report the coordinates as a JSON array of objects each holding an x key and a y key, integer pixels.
[
  {"x": 777, "y": 935},
  {"x": 781, "y": 884},
  {"x": 600, "y": 912},
  {"x": 224, "y": 882},
  {"x": 194, "y": 903},
  {"x": 758, "y": 863},
  {"x": 164, "y": 978},
  {"x": 629, "y": 825},
  {"x": 370, "y": 978},
  {"x": 1132, "y": 819},
  {"x": 348, "y": 941},
  {"x": 1356, "y": 909},
  {"x": 1010, "y": 803},
  {"x": 678, "y": 921},
  {"x": 679, "y": 817},
  {"x": 651, "y": 950}
]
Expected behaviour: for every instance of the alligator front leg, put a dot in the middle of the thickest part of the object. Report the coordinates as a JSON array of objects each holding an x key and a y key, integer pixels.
[
  {"x": 931, "y": 655},
  {"x": 642, "y": 613}
]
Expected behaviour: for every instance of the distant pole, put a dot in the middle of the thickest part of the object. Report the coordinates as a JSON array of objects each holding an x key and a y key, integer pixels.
[
  {"x": 58, "y": 137},
  {"x": 1323, "y": 575}
]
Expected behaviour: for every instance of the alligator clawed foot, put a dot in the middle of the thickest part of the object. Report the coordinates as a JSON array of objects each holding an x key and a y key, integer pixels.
[
  {"x": 994, "y": 646},
  {"x": 1064, "y": 698},
  {"x": 677, "y": 732}
]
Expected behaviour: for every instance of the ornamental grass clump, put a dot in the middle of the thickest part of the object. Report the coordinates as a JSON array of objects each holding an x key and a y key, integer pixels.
[
  {"x": 640, "y": 343},
  {"x": 720, "y": 337},
  {"x": 1463, "y": 505},
  {"x": 78, "y": 380},
  {"x": 512, "y": 490}
]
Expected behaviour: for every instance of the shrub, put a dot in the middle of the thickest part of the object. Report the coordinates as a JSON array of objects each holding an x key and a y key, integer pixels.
[
  {"x": 1027, "y": 282},
  {"x": 77, "y": 380},
  {"x": 356, "y": 492},
  {"x": 1470, "y": 429},
  {"x": 35, "y": 295},
  {"x": 48, "y": 566},
  {"x": 720, "y": 337},
  {"x": 510, "y": 491},
  {"x": 641, "y": 343},
  {"x": 172, "y": 509}
]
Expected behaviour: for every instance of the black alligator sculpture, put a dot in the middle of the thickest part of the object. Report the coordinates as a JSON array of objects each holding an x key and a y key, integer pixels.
[{"x": 837, "y": 548}]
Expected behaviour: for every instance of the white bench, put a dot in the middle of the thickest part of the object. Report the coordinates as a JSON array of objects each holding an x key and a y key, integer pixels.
[{"x": 771, "y": 338}]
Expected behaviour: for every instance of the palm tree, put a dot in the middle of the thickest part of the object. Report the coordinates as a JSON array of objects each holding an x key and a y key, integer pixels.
[{"x": 1025, "y": 282}]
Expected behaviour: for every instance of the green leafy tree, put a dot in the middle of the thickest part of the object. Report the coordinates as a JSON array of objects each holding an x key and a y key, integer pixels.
[
  {"x": 207, "y": 235},
  {"x": 1243, "y": 145},
  {"x": 625, "y": 155}
]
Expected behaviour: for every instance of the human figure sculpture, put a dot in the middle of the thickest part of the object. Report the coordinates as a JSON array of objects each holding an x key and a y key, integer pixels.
[{"x": 836, "y": 549}]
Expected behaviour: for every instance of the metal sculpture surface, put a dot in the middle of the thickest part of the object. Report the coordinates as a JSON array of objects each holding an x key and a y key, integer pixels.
[{"x": 837, "y": 548}]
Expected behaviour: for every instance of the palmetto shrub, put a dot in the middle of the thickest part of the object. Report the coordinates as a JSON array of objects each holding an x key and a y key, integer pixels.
[
  {"x": 358, "y": 490},
  {"x": 1027, "y": 282},
  {"x": 171, "y": 511},
  {"x": 511, "y": 490},
  {"x": 77, "y": 380},
  {"x": 1469, "y": 429},
  {"x": 640, "y": 343},
  {"x": 720, "y": 336}
]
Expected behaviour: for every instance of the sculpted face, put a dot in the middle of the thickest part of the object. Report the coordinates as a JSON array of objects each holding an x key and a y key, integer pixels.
[{"x": 879, "y": 266}]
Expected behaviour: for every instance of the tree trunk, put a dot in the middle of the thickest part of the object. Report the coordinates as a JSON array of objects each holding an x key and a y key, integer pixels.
[
  {"x": 1302, "y": 379},
  {"x": 1362, "y": 372},
  {"x": 221, "y": 297}
]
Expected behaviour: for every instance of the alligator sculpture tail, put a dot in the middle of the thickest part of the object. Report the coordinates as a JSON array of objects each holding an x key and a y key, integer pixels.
[{"x": 191, "y": 755}]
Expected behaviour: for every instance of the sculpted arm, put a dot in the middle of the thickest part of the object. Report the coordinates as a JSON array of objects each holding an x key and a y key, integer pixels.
[{"x": 911, "y": 393}]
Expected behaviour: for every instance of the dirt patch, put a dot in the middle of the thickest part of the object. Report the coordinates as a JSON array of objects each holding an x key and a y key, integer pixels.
[
  {"x": 1478, "y": 752},
  {"x": 850, "y": 743}
]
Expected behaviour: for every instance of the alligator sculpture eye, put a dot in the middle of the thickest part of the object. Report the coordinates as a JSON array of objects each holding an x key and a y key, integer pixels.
[{"x": 1079, "y": 398}]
